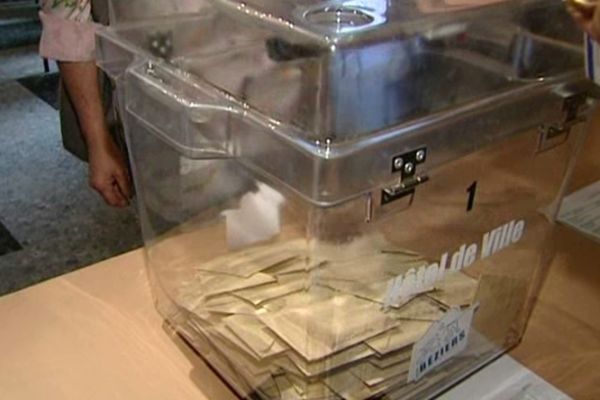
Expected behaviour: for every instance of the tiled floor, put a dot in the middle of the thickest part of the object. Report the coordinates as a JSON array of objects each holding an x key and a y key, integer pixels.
[
  {"x": 22, "y": 61},
  {"x": 18, "y": 32},
  {"x": 45, "y": 203}
]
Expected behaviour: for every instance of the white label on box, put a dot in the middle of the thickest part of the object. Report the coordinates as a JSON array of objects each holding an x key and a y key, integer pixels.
[
  {"x": 445, "y": 339},
  {"x": 581, "y": 210},
  {"x": 404, "y": 287}
]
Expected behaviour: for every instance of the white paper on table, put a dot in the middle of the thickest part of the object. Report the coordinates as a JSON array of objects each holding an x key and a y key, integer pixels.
[
  {"x": 504, "y": 379},
  {"x": 581, "y": 210}
]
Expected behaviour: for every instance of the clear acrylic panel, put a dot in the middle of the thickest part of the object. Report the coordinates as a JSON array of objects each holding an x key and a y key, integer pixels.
[{"x": 323, "y": 186}]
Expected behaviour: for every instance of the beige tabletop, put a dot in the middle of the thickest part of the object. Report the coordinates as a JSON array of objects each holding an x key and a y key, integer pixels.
[{"x": 94, "y": 334}]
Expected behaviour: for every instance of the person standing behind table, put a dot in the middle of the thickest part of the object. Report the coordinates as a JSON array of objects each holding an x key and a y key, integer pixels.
[{"x": 89, "y": 125}]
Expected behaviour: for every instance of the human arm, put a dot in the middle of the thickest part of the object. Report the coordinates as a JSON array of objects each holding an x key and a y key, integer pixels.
[
  {"x": 68, "y": 37},
  {"x": 108, "y": 173}
]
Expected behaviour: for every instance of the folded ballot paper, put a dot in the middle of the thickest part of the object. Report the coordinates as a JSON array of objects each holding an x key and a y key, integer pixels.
[{"x": 281, "y": 324}]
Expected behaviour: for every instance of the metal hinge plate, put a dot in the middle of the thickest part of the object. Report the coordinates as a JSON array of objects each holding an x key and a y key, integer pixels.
[{"x": 406, "y": 165}]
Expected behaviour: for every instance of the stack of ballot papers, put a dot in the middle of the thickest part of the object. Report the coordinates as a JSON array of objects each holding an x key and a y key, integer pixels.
[{"x": 282, "y": 325}]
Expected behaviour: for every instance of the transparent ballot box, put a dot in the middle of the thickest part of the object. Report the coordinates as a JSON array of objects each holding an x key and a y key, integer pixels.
[{"x": 348, "y": 199}]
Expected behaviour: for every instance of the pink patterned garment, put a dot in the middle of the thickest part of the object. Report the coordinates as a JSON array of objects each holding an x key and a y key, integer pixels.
[{"x": 68, "y": 31}]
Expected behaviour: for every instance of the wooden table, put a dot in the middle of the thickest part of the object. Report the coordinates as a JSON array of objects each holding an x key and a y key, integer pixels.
[{"x": 94, "y": 334}]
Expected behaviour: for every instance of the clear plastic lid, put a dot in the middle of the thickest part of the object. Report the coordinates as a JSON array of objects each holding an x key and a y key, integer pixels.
[
  {"x": 320, "y": 93},
  {"x": 347, "y": 70},
  {"x": 345, "y": 22}
]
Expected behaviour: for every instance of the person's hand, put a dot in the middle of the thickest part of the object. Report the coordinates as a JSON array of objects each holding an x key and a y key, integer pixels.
[
  {"x": 108, "y": 173},
  {"x": 587, "y": 15}
]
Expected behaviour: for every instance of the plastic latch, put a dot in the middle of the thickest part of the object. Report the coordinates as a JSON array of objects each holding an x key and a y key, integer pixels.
[{"x": 406, "y": 164}]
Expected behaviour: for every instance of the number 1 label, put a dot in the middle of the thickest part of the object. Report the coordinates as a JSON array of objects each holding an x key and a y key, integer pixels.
[{"x": 472, "y": 190}]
